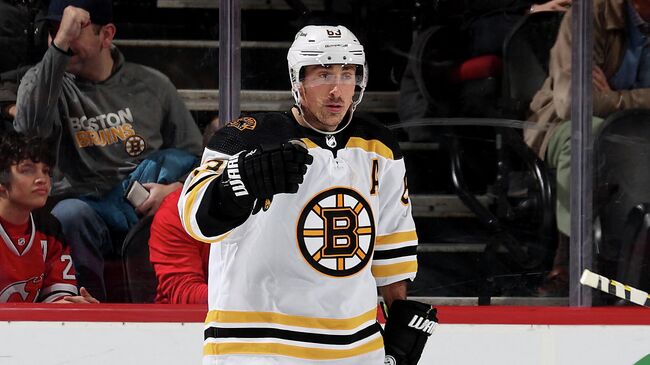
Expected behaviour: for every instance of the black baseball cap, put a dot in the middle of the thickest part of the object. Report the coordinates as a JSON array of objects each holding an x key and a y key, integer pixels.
[{"x": 101, "y": 11}]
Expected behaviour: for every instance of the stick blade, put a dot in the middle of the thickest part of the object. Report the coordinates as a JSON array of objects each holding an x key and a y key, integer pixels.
[
  {"x": 613, "y": 287},
  {"x": 590, "y": 279}
]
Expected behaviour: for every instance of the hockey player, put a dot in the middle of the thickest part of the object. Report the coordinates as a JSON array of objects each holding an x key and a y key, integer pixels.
[
  {"x": 307, "y": 213},
  {"x": 35, "y": 265}
]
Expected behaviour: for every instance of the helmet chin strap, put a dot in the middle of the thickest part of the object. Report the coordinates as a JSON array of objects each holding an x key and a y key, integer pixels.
[{"x": 301, "y": 115}]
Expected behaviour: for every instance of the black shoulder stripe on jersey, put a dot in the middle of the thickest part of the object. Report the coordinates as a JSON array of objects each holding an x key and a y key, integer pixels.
[
  {"x": 220, "y": 332},
  {"x": 197, "y": 182},
  {"x": 395, "y": 253},
  {"x": 271, "y": 128}
]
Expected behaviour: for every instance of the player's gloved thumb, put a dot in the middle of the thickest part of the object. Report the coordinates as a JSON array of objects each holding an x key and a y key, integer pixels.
[
  {"x": 296, "y": 158},
  {"x": 300, "y": 152},
  {"x": 396, "y": 359}
]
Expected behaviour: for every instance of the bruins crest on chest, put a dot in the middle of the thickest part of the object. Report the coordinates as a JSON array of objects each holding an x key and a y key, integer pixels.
[{"x": 336, "y": 232}]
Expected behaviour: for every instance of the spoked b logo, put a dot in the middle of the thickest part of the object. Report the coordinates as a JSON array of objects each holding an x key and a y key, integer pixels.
[{"x": 336, "y": 232}]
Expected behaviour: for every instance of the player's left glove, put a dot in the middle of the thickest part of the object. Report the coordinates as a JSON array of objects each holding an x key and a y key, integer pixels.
[{"x": 408, "y": 326}]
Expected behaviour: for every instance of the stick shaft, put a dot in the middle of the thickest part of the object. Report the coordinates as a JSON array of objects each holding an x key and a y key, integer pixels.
[{"x": 613, "y": 287}]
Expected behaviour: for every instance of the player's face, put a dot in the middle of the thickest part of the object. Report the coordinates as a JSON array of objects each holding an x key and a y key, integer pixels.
[
  {"x": 327, "y": 94},
  {"x": 29, "y": 184}
]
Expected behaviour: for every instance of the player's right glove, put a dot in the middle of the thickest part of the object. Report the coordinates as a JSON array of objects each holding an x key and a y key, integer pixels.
[
  {"x": 266, "y": 171},
  {"x": 408, "y": 326}
]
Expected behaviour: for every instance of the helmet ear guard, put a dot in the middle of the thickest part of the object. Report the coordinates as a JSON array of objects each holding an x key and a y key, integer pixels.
[{"x": 322, "y": 46}]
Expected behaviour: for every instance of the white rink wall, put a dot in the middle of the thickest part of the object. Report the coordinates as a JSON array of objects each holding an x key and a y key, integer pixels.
[{"x": 124, "y": 343}]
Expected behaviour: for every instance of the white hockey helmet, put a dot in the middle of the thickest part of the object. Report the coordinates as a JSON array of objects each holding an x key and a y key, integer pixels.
[{"x": 327, "y": 45}]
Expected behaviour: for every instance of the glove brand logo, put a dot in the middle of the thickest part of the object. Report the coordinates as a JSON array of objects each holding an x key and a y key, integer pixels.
[
  {"x": 336, "y": 232},
  {"x": 234, "y": 177},
  {"x": 422, "y": 324},
  {"x": 389, "y": 360}
]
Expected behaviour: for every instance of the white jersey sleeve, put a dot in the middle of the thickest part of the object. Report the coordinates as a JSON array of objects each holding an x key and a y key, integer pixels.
[
  {"x": 194, "y": 200},
  {"x": 396, "y": 243}
]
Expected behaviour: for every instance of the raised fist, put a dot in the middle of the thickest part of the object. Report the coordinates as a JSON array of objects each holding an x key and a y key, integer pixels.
[
  {"x": 72, "y": 22},
  {"x": 267, "y": 170}
]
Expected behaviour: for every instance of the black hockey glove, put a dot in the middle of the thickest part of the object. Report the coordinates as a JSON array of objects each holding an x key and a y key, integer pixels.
[
  {"x": 408, "y": 326},
  {"x": 266, "y": 171}
]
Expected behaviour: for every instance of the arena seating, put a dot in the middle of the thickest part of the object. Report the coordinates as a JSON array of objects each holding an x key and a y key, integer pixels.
[
  {"x": 622, "y": 198},
  {"x": 453, "y": 239}
]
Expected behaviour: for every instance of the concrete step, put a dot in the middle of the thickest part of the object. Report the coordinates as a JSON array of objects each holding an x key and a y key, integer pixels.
[
  {"x": 444, "y": 205},
  {"x": 194, "y": 64}
]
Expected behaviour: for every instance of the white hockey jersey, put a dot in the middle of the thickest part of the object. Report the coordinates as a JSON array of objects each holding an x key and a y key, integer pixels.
[{"x": 296, "y": 282}]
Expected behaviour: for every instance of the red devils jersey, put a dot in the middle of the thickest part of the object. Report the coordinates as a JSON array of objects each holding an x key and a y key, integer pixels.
[{"x": 36, "y": 267}]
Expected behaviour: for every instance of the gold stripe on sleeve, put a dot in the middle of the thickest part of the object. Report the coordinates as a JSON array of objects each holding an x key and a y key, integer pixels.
[
  {"x": 396, "y": 238},
  {"x": 384, "y": 271}
]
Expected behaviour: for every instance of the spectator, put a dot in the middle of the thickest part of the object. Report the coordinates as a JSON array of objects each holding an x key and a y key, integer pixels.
[
  {"x": 453, "y": 69},
  {"x": 553, "y": 5},
  {"x": 23, "y": 42},
  {"x": 621, "y": 80},
  {"x": 111, "y": 122},
  {"x": 35, "y": 263},
  {"x": 489, "y": 26},
  {"x": 22, "y": 37},
  {"x": 302, "y": 261},
  {"x": 210, "y": 129},
  {"x": 180, "y": 262}
]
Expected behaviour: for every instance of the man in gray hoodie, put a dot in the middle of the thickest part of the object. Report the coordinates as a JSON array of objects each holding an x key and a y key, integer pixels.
[{"x": 105, "y": 116}]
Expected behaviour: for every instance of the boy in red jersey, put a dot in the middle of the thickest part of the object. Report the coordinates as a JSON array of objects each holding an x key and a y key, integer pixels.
[
  {"x": 35, "y": 265},
  {"x": 180, "y": 261}
]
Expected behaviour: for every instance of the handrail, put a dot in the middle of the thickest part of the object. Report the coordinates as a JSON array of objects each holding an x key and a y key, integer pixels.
[
  {"x": 196, "y": 43},
  {"x": 275, "y": 100}
]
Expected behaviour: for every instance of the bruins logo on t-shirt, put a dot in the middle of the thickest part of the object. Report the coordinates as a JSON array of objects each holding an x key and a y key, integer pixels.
[
  {"x": 135, "y": 145},
  {"x": 243, "y": 123},
  {"x": 336, "y": 232}
]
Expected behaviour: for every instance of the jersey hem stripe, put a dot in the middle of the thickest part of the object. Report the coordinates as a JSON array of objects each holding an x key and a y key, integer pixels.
[
  {"x": 296, "y": 321},
  {"x": 309, "y": 353},
  {"x": 316, "y": 338}
]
